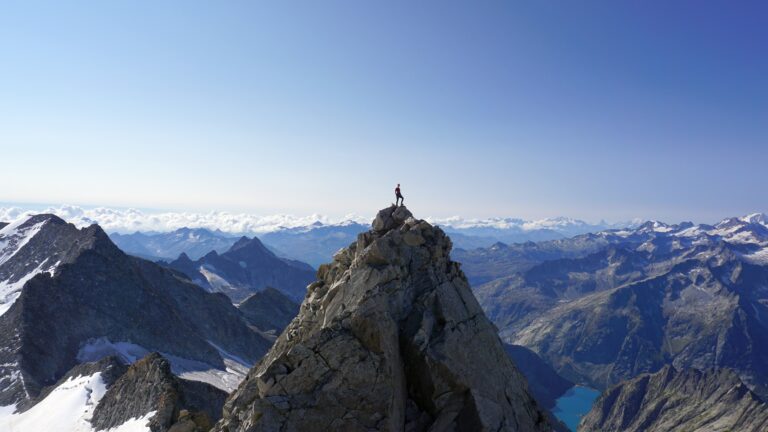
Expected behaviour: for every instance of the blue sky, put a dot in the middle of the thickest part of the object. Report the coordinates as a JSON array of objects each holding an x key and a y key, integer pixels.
[{"x": 529, "y": 109}]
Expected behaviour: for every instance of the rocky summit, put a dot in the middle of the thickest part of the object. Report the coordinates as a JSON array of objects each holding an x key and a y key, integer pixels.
[{"x": 389, "y": 338}]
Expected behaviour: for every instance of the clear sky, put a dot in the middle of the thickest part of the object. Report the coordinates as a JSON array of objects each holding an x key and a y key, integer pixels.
[{"x": 586, "y": 109}]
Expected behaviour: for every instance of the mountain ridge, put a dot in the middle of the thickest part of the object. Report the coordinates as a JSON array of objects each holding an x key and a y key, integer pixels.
[
  {"x": 687, "y": 400},
  {"x": 245, "y": 268},
  {"x": 91, "y": 299},
  {"x": 690, "y": 295}
]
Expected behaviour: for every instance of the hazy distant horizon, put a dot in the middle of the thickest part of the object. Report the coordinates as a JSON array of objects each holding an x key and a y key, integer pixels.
[{"x": 131, "y": 219}]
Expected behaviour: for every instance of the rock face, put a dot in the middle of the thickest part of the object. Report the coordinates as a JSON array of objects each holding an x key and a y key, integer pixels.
[
  {"x": 671, "y": 400},
  {"x": 247, "y": 267},
  {"x": 269, "y": 310},
  {"x": 544, "y": 383},
  {"x": 389, "y": 338},
  {"x": 149, "y": 386},
  {"x": 76, "y": 297}
]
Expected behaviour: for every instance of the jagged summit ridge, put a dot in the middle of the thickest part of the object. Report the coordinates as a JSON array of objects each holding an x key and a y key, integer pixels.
[{"x": 388, "y": 338}]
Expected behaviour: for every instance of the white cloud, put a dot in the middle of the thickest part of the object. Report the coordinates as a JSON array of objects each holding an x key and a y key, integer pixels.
[{"x": 131, "y": 220}]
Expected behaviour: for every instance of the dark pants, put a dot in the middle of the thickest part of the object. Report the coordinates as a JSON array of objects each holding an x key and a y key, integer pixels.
[{"x": 400, "y": 198}]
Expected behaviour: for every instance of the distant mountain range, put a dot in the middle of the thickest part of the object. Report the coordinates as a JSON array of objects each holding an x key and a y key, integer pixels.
[
  {"x": 623, "y": 302},
  {"x": 133, "y": 220},
  {"x": 246, "y": 268},
  {"x": 316, "y": 243},
  {"x": 193, "y": 242}
]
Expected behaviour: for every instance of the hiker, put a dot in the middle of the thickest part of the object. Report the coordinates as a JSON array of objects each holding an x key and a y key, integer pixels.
[{"x": 398, "y": 195}]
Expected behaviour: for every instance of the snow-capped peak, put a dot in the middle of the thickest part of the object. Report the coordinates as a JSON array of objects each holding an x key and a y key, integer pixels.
[
  {"x": 14, "y": 236},
  {"x": 756, "y": 218},
  {"x": 13, "y": 273}
]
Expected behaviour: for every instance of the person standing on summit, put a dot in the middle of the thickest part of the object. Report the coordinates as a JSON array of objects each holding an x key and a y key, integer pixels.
[{"x": 398, "y": 195}]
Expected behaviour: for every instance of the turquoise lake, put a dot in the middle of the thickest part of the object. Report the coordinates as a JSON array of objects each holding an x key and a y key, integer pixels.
[{"x": 575, "y": 403}]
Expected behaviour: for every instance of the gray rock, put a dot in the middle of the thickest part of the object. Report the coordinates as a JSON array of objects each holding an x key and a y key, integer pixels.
[
  {"x": 269, "y": 310},
  {"x": 389, "y": 338},
  {"x": 671, "y": 400},
  {"x": 545, "y": 384},
  {"x": 390, "y": 218},
  {"x": 148, "y": 385}
]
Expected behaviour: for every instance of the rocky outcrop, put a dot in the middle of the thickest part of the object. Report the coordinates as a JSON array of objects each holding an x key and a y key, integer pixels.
[
  {"x": 269, "y": 310},
  {"x": 149, "y": 386},
  {"x": 672, "y": 400},
  {"x": 389, "y": 338},
  {"x": 247, "y": 267}
]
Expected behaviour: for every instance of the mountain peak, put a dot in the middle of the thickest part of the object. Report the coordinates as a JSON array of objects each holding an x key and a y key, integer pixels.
[
  {"x": 250, "y": 244},
  {"x": 390, "y": 218},
  {"x": 389, "y": 338},
  {"x": 756, "y": 218}
]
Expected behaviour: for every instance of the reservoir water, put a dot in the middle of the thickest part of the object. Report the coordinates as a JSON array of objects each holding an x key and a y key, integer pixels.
[{"x": 575, "y": 403}]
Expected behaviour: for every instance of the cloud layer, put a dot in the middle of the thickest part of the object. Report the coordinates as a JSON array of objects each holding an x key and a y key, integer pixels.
[{"x": 131, "y": 220}]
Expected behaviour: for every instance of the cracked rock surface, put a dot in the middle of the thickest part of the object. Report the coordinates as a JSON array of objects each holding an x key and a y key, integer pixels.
[{"x": 389, "y": 338}]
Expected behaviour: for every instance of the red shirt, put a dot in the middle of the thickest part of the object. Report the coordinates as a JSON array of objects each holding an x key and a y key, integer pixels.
[{"x": 397, "y": 190}]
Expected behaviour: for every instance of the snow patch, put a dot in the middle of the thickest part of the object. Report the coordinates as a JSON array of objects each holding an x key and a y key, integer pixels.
[
  {"x": 193, "y": 370},
  {"x": 759, "y": 257},
  {"x": 135, "y": 425},
  {"x": 15, "y": 236},
  {"x": 217, "y": 283},
  {"x": 10, "y": 291},
  {"x": 68, "y": 408}
]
